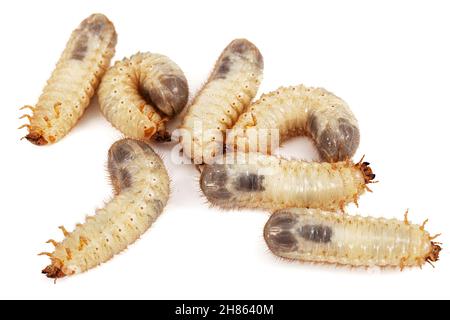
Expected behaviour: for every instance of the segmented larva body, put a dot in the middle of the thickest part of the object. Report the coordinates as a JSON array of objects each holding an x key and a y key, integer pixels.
[
  {"x": 141, "y": 184},
  {"x": 73, "y": 82},
  {"x": 328, "y": 237},
  {"x": 267, "y": 182},
  {"x": 229, "y": 89},
  {"x": 137, "y": 95},
  {"x": 294, "y": 111}
]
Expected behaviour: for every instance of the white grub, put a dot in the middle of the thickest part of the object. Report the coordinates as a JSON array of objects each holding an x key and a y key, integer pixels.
[
  {"x": 254, "y": 180},
  {"x": 229, "y": 89},
  {"x": 139, "y": 94},
  {"x": 327, "y": 237},
  {"x": 297, "y": 110},
  {"x": 73, "y": 82},
  {"x": 141, "y": 185}
]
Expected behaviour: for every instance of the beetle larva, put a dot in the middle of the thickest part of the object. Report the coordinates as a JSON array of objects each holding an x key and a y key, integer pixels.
[
  {"x": 321, "y": 236},
  {"x": 298, "y": 110},
  {"x": 137, "y": 95},
  {"x": 73, "y": 82},
  {"x": 267, "y": 182},
  {"x": 229, "y": 89},
  {"x": 141, "y": 185}
]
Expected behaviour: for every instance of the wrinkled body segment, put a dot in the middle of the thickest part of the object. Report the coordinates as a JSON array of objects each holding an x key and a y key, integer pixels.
[
  {"x": 73, "y": 82},
  {"x": 293, "y": 111},
  {"x": 256, "y": 180},
  {"x": 138, "y": 95},
  {"x": 321, "y": 236},
  {"x": 141, "y": 185},
  {"x": 230, "y": 88}
]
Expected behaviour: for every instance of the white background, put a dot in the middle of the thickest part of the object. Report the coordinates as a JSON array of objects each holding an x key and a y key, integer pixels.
[{"x": 388, "y": 59}]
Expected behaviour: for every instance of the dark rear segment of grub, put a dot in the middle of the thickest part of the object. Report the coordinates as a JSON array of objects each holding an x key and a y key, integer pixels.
[
  {"x": 145, "y": 146},
  {"x": 312, "y": 125},
  {"x": 349, "y": 137},
  {"x": 283, "y": 220},
  {"x": 249, "y": 182},
  {"x": 237, "y": 49},
  {"x": 282, "y": 241},
  {"x": 246, "y": 49},
  {"x": 337, "y": 141},
  {"x": 278, "y": 232},
  {"x": 213, "y": 181},
  {"x": 81, "y": 47},
  {"x": 316, "y": 233},
  {"x": 124, "y": 179},
  {"x": 222, "y": 68},
  {"x": 121, "y": 155},
  {"x": 177, "y": 91},
  {"x": 169, "y": 94},
  {"x": 119, "y": 152},
  {"x": 96, "y": 25}
]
